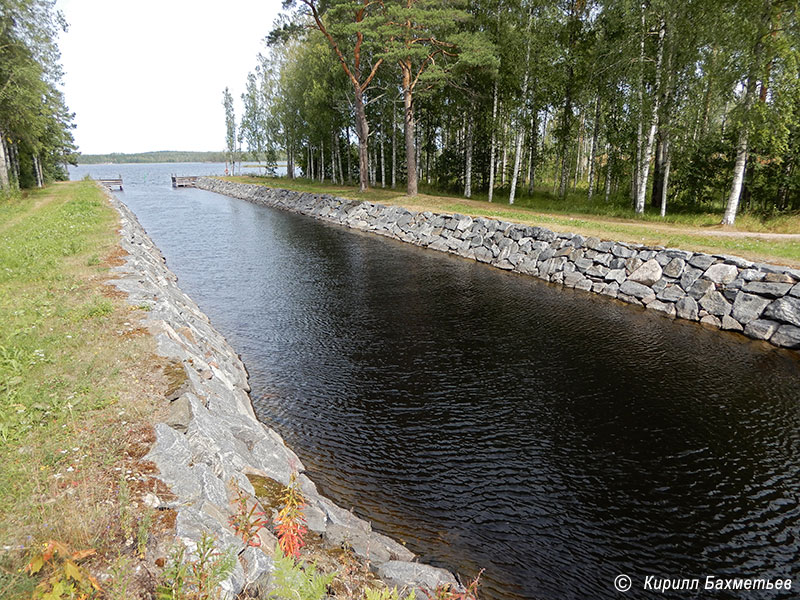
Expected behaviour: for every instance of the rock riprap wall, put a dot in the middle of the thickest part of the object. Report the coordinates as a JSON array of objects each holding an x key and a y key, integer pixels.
[
  {"x": 760, "y": 300},
  {"x": 212, "y": 440}
]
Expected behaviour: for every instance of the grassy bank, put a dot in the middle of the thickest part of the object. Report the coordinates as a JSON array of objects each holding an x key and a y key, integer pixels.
[
  {"x": 79, "y": 385},
  {"x": 773, "y": 239}
]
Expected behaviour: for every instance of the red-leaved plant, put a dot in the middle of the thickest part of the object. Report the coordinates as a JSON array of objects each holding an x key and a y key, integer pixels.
[
  {"x": 247, "y": 521},
  {"x": 290, "y": 524}
]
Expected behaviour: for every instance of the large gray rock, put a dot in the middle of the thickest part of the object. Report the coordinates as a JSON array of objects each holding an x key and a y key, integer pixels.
[
  {"x": 637, "y": 290},
  {"x": 702, "y": 261},
  {"x": 785, "y": 309},
  {"x": 674, "y": 268},
  {"x": 664, "y": 307},
  {"x": 647, "y": 274},
  {"x": 787, "y": 336},
  {"x": 671, "y": 293},
  {"x": 721, "y": 273},
  {"x": 770, "y": 290},
  {"x": 700, "y": 288},
  {"x": 731, "y": 324},
  {"x": 617, "y": 275},
  {"x": 686, "y": 308},
  {"x": 748, "y": 307},
  {"x": 716, "y": 304},
  {"x": 689, "y": 277},
  {"x": 761, "y": 329},
  {"x": 622, "y": 251},
  {"x": 415, "y": 575}
]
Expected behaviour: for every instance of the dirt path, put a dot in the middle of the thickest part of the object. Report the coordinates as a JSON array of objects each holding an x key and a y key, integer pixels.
[{"x": 479, "y": 206}]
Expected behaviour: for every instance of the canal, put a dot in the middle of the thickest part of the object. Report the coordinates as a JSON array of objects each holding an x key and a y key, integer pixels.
[{"x": 492, "y": 421}]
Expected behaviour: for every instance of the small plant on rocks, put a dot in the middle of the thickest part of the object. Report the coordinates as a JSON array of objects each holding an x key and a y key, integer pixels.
[
  {"x": 290, "y": 526},
  {"x": 247, "y": 522}
]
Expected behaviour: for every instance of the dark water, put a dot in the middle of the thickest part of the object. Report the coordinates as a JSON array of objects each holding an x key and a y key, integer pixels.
[{"x": 493, "y": 421}]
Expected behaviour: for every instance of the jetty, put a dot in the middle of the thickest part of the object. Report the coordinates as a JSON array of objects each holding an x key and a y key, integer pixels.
[
  {"x": 179, "y": 181},
  {"x": 111, "y": 182}
]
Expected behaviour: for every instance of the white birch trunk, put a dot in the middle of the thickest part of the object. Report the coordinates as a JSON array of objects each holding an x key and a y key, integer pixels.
[
  {"x": 333, "y": 158},
  {"x": 394, "y": 145},
  {"x": 640, "y": 126},
  {"x": 593, "y": 152},
  {"x": 665, "y": 183},
  {"x": 608, "y": 172},
  {"x": 383, "y": 160},
  {"x": 5, "y": 184},
  {"x": 322, "y": 162},
  {"x": 493, "y": 148},
  {"x": 521, "y": 124},
  {"x": 468, "y": 153},
  {"x": 641, "y": 190}
]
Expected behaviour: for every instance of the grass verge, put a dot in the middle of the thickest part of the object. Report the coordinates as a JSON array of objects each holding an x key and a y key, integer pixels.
[
  {"x": 79, "y": 384},
  {"x": 773, "y": 239}
]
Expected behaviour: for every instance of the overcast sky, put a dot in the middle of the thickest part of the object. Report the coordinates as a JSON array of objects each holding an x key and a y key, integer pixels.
[{"x": 148, "y": 75}]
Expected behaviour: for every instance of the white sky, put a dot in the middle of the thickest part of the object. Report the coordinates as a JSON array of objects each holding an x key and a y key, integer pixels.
[{"x": 147, "y": 75}]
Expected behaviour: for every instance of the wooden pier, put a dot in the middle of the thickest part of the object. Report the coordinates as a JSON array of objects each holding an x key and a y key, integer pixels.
[
  {"x": 179, "y": 181},
  {"x": 111, "y": 182}
]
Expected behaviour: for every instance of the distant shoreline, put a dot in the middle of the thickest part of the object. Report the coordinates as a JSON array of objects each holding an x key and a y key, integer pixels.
[{"x": 161, "y": 156}]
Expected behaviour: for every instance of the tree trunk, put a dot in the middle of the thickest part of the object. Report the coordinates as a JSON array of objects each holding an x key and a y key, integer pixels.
[
  {"x": 741, "y": 159},
  {"x": 665, "y": 177},
  {"x": 408, "y": 104},
  {"x": 493, "y": 143},
  {"x": 37, "y": 171},
  {"x": 534, "y": 144},
  {"x": 468, "y": 142},
  {"x": 333, "y": 158},
  {"x": 641, "y": 188},
  {"x": 362, "y": 131},
  {"x": 562, "y": 190},
  {"x": 348, "y": 157},
  {"x": 394, "y": 145},
  {"x": 522, "y": 119},
  {"x": 658, "y": 172},
  {"x": 504, "y": 160},
  {"x": 593, "y": 151},
  {"x": 608, "y": 173},
  {"x": 640, "y": 126},
  {"x": 383, "y": 159},
  {"x": 5, "y": 184},
  {"x": 578, "y": 153},
  {"x": 322, "y": 161}
]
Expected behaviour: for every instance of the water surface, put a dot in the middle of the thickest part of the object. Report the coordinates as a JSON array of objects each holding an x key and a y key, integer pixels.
[{"x": 493, "y": 421}]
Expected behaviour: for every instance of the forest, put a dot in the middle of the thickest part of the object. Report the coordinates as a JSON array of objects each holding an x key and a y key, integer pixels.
[
  {"x": 678, "y": 105},
  {"x": 35, "y": 124},
  {"x": 158, "y": 156}
]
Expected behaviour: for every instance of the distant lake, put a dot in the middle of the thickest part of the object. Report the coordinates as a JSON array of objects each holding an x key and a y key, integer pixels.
[{"x": 154, "y": 174}]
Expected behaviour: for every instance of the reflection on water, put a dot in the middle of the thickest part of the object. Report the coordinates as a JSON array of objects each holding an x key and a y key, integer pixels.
[{"x": 493, "y": 421}]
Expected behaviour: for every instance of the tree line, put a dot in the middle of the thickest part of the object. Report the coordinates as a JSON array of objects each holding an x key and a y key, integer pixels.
[
  {"x": 159, "y": 156},
  {"x": 35, "y": 125},
  {"x": 674, "y": 103}
]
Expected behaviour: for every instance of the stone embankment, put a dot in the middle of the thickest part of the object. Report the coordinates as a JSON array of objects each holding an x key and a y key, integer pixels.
[
  {"x": 212, "y": 440},
  {"x": 761, "y": 301}
]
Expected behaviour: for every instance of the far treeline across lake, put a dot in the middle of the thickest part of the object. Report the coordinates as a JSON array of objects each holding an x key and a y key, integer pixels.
[{"x": 654, "y": 106}]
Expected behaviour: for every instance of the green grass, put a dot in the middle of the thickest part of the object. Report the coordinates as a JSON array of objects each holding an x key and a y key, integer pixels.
[
  {"x": 67, "y": 363},
  {"x": 695, "y": 229}
]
